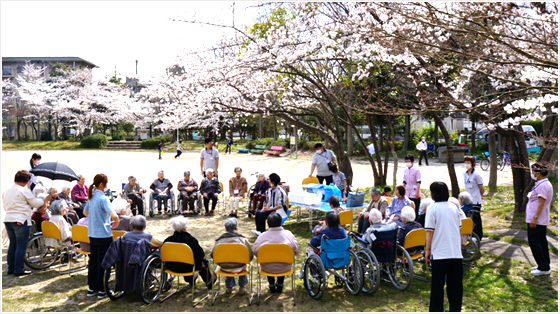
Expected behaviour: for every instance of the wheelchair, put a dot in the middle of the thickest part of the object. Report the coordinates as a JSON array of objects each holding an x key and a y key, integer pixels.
[
  {"x": 171, "y": 204},
  {"x": 370, "y": 266},
  {"x": 125, "y": 197},
  {"x": 394, "y": 260},
  {"x": 37, "y": 255},
  {"x": 197, "y": 204},
  {"x": 148, "y": 275},
  {"x": 471, "y": 248},
  {"x": 336, "y": 258}
]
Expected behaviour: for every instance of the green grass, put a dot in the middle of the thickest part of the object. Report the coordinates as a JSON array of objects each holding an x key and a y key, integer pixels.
[{"x": 40, "y": 145}]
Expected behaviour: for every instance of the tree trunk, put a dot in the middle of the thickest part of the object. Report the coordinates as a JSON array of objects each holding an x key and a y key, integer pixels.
[
  {"x": 379, "y": 177},
  {"x": 392, "y": 145},
  {"x": 261, "y": 125},
  {"x": 406, "y": 134},
  {"x": 473, "y": 128},
  {"x": 493, "y": 181},
  {"x": 450, "y": 163},
  {"x": 18, "y": 128},
  {"x": 518, "y": 173},
  {"x": 275, "y": 128},
  {"x": 436, "y": 134}
]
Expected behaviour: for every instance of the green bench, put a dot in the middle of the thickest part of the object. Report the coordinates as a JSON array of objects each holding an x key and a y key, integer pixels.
[{"x": 259, "y": 149}]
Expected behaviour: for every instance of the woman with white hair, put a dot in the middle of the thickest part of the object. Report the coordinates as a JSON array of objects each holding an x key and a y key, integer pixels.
[
  {"x": 259, "y": 193},
  {"x": 424, "y": 203},
  {"x": 58, "y": 210},
  {"x": 407, "y": 223},
  {"x": 232, "y": 235},
  {"x": 466, "y": 202},
  {"x": 237, "y": 191},
  {"x": 65, "y": 196},
  {"x": 180, "y": 235}
]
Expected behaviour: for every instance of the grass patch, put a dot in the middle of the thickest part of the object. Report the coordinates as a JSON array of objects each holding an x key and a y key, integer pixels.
[{"x": 40, "y": 145}]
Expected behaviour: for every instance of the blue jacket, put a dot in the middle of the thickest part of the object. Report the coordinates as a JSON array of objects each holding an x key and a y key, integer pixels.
[{"x": 332, "y": 233}]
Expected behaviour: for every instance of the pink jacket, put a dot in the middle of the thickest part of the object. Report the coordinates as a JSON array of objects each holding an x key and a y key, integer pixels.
[
  {"x": 79, "y": 193},
  {"x": 276, "y": 235}
]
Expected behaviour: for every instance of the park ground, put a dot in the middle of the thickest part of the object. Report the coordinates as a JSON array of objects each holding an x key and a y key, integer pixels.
[{"x": 497, "y": 281}]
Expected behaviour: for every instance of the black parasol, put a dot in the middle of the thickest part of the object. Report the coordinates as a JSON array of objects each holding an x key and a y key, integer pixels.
[{"x": 55, "y": 171}]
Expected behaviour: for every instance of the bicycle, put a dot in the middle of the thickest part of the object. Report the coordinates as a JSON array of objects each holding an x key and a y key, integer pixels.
[
  {"x": 485, "y": 162},
  {"x": 504, "y": 160}
]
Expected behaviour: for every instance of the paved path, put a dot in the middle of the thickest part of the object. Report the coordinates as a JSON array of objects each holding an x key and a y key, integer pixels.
[{"x": 517, "y": 252}]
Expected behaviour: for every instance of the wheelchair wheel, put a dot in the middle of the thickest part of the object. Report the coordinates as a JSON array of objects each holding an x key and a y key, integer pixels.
[
  {"x": 470, "y": 250},
  {"x": 173, "y": 208},
  {"x": 151, "y": 279},
  {"x": 152, "y": 205},
  {"x": 314, "y": 279},
  {"x": 401, "y": 270},
  {"x": 484, "y": 164},
  {"x": 110, "y": 283},
  {"x": 371, "y": 270},
  {"x": 354, "y": 274},
  {"x": 36, "y": 249},
  {"x": 477, "y": 240}
]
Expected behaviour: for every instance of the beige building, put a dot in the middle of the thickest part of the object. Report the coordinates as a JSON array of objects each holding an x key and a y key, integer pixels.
[{"x": 12, "y": 66}]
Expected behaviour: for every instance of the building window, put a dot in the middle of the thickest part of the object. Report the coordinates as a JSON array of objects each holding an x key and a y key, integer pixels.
[{"x": 6, "y": 70}]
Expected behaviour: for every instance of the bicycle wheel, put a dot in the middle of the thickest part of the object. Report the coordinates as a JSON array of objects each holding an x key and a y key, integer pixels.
[
  {"x": 354, "y": 274},
  {"x": 37, "y": 255},
  {"x": 501, "y": 164},
  {"x": 484, "y": 164},
  {"x": 314, "y": 280},
  {"x": 371, "y": 270},
  {"x": 401, "y": 269},
  {"x": 110, "y": 283}
]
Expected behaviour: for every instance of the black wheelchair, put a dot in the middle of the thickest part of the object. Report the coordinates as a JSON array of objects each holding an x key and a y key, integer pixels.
[
  {"x": 336, "y": 258},
  {"x": 197, "y": 204},
  {"x": 37, "y": 255}
]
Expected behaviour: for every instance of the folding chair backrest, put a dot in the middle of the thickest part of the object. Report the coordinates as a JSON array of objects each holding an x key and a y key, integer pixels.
[
  {"x": 415, "y": 238},
  {"x": 466, "y": 226},
  {"x": 50, "y": 230},
  {"x": 117, "y": 233},
  {"x": 231, "y": 253},
  {"x": 276, "y": 253},
  {"x": 177, "y": 252},
  {"x": 412, "y": 205},
  {"x": 79, "y": 234},
  {"x": 309, "y": 180},
  {"x": 346, "y": 217},
  {"x": 334, "y": 253},
  {"x": 388, "y": 199}
]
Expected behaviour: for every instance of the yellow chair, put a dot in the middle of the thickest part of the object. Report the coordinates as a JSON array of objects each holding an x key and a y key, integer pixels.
[
  {"x": 417, "y": 239},
  {"x": 275, "y": 253},
  {"x": 80, "y": 234},
  {"x": 412, "y": 205},
  {"x": 232, "y": 253},
  {"x": 388, "y": 199},
  {"x": 309, "y": 180},
  {"x": 346, "y": 218},
  {"x": 181, "y": 253},
  {"x": 471, "y": 248},
  {"x": 50, "y": 230},
  {"x": 117, "y": 233}
]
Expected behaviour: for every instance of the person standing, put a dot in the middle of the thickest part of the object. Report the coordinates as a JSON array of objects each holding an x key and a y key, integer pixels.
[
  {"x": 422, "y": 146},
  {"x": 160, "y": 149},
  {"x": 100, "y": 213},
  {"x": 229, "y": 142},
  {"x": 18, "y": 202},
  {"x": 179, "y": 149},
  {"x": 33, "y": 162},
  {"x": 537, "y": 217},
  {"x": 475, "y": 186},
  {"x": 443, "y": 249},
  {"x": 411, "y": 181},
  {"x": 209, "y": 158},
  {"x": 321, "y": 160}
]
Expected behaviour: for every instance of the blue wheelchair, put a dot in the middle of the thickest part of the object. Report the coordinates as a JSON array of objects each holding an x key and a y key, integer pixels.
[
  {"x": 336, "y": 258},
  {"x": 171, "y": 203}
]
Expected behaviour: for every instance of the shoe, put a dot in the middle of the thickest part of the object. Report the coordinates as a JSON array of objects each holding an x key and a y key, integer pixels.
[
  {"x": 229, "y": 290},
  {"x": 241, "y": 291},
  {"x": 534, "y": 268},
  {"x": 272, "y": 289},
  {"x": 537, "y": 272},
  {"x": 235, "y": 215},
  {"x": 212, "y": 212},
  {"x": 279, "y": 288},
  {"x": 10, "y": 272},
  {"x": 232, "y": 215},
  {"x": 206, "y": 214},
  {"x": 256, "y": 232},
  {"x": 25, "y": 272},
  {"x": 101, "y": 295},
  {"x": 91, "y": 293}
]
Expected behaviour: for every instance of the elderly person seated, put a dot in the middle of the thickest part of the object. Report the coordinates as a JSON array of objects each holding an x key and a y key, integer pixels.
[
  {"x": 276, "y": 235},
  {"x": 233, "y": 236},
  {"x": 333, "y": 230},
  {"x": 80, "y": 191},
  {"x": 461, "y": 214},
  {"x": 424, "y": 203},
  {"x": 124, "y": 220},
  {"x": 400, "y": 200},
  {"x": 162, "y": 190},
  {"x": 58, "y": 210},
  {"x": 466, "y": 202},
  {"x": 65, "y": 196},
  {"x": 406, "y": 224},
  {"x": 276, "y": 201},
  {"x": 188, "y": 189},
  {"x": 180, "y": 235},
  {"x": 237, "y": 191},
  {"x": 334, "y": 203},
  {"x": 41, "y": 214},
  {"x": 259, "y": 194},
  {"x": 377, "y": 202},
  {"x": 138, "y": 226},
  {"x": 210, "y": 188},
  {"x": 132, "y": 193}
]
